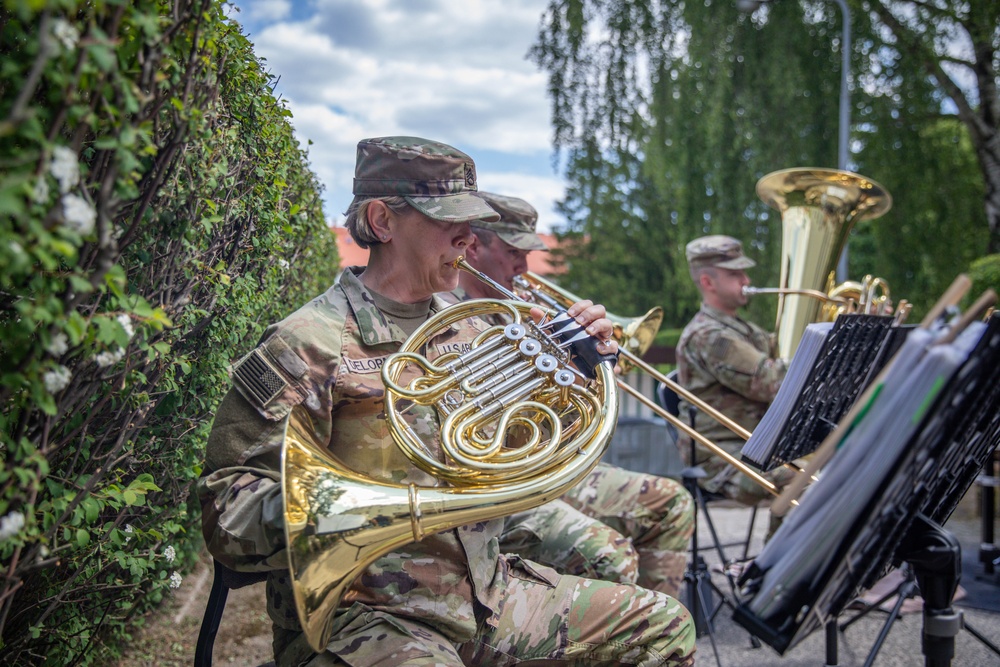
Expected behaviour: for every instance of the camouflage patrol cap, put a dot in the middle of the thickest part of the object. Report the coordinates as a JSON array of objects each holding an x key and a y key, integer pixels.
[
  {"x": 717, "y": 250},
  {"x": 434, "y": 178},
  {"x": 516, "y": 226}
]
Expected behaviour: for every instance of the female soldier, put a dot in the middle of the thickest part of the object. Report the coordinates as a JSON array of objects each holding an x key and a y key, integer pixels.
[{"x": 450, "y": 599}]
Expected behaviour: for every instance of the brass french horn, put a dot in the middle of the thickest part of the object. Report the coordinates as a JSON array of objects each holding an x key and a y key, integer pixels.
[{"x": 515, "y": 377}]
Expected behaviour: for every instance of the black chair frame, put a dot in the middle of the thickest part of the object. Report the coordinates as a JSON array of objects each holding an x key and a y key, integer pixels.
[{"x": 223, "y": 581}]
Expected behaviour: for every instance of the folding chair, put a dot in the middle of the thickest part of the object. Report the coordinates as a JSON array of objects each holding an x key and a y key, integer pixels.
[
  {"x": 223, "y": 580},
  {"x": 700, "y": 587},
  {"x": 671, "y": 403}
]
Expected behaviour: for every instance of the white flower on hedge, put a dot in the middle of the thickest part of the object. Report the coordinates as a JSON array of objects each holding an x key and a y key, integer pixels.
[
  {"x": 40, "y": 194},
  {"x": 283, "y": 263},
  {"x": 58, "y": 345},
  {"x": 78, "y": 214},
  {"x": 169, "y": 554},
  {"x": 15, "y": 247},
  {"x": 65, "y": 167},
  {"x": 11, "y": 525},
  {"x": 106, "y": 358},
  {"x": 128, "y": 532},
  {"x": 57, "y": 379},
  {"x": 66, "y": 33},
  {"x": 175, "y": 580},
  {"x": 126, "y": 322}
]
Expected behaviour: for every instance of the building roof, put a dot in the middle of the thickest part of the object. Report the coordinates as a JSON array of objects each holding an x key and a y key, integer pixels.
[{"x": 351, "y": 254}]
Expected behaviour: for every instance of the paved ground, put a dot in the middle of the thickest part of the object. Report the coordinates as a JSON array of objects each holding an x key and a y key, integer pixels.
[
  {"x": 244, "y": 636},
  {"x": 902, "y": 646}
]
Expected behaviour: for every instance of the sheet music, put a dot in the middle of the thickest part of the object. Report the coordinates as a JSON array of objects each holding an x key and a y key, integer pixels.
[
  {"x": 760, "y": 445},
  {"x": 831, "y": 507}
]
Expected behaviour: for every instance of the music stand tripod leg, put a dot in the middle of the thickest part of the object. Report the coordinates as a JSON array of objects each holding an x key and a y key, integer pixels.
[
  {"x": 905, "y": 590},
  {"x": 936, "y": 557},
  {"x": 696, "y": 574}
]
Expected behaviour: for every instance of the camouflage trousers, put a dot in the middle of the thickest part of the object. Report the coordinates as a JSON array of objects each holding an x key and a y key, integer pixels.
[
  {"x": 546, "y": 618},
  {"x": 615, "y": 525}
]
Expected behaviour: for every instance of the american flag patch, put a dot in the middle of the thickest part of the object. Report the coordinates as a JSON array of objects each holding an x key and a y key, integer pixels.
[{"x": 259, "y": 378}]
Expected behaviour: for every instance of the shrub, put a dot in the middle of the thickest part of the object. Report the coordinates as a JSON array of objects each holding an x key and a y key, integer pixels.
[
  {"x": 985, "y": 274},
  {"x": 156, "y": 211}
]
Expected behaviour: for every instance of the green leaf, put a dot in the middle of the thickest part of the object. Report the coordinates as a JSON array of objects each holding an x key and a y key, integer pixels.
[
  {"x": 79, "y": 284},
  {"x": 103, "y": 56}
]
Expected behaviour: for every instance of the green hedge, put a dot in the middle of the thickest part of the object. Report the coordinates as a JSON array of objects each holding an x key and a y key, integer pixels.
[
  {"x": 156, "y": 212},
  {"x": 985, "y": 274}
]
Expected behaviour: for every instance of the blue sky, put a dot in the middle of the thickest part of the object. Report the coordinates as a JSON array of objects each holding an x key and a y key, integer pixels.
[{"x": 454, "y": 71}]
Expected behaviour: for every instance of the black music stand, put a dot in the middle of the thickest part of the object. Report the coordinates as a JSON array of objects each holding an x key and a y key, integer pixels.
[
  {"x": 855, "y": 349},
  {"x": 900, "y": 523}
]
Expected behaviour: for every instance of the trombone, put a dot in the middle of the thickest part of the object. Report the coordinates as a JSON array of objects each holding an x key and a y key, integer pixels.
[{"x": 634, "y": 337}]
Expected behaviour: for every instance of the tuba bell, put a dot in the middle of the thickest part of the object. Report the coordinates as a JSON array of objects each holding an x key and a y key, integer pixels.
[
  {"x": 818, "y": 209},
  {"x": 514, "y": 378}
]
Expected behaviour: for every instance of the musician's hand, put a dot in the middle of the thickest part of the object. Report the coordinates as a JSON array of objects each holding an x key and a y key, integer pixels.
[{"x": 593, "y": 316}]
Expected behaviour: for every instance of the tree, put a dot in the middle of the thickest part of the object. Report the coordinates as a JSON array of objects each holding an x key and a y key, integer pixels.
[
  {"x": 958, "y": 45},
  {"x": 701, "y": 101}
]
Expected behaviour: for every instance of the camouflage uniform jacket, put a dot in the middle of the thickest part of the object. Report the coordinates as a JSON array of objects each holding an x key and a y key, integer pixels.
[
  {"x": 330, "y": 353},
  {"x": 730, "y": 364}
]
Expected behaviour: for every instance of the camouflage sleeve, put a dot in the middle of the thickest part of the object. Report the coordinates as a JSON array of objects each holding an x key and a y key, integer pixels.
[
  {"x": 240, "y": 496},
  {"x": 240, "y": 490},
  {"x": 740, "y": 366}
]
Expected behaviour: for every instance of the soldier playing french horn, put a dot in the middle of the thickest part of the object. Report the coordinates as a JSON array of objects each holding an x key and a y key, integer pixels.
[{"x": 451, "y": 598}]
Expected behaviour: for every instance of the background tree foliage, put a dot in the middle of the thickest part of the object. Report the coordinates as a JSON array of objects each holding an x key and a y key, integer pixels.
[
  {"x": 155, "y": 213},
  {"x": 669, "y": 112}
]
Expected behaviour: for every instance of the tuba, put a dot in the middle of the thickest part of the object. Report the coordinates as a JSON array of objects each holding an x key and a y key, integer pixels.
[
  {"x": 515, "y": 379},
  {"x": 818, "y": 209}
]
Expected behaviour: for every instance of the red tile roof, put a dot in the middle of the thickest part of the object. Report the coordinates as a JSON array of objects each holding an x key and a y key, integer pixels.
[{"x": 353, "y": 255}]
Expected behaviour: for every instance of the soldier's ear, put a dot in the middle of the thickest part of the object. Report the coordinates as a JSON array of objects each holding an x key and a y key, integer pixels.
[{"x": 378, "y": 215}]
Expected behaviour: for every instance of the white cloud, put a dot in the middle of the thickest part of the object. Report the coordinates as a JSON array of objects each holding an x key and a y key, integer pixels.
[
  {"x": 541, "y": 193},
  {"x": 452, "y": 72}
]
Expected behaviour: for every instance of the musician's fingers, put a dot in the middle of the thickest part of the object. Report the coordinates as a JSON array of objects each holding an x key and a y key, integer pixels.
[
  {"x": 580, "y": 308},
  {"x": 609, "y": 346},
  {"x": 586, "y": 316},
  {"x": 601, "y": 328}
]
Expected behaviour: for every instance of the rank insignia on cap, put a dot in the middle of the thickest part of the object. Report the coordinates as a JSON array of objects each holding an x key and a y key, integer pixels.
[
  {"x": 470, "y": 175},
  {"x": 259, "y": 378}
]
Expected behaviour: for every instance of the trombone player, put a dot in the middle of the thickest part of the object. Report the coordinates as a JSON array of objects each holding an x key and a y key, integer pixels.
[
  {"x": 616, "y": 524},
  {"x": 730, "y": 363}
]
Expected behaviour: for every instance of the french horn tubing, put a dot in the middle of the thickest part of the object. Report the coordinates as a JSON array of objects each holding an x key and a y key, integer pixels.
[
  {"x": 536, "y": 288},
  {"x": 515, "y": 377}
]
